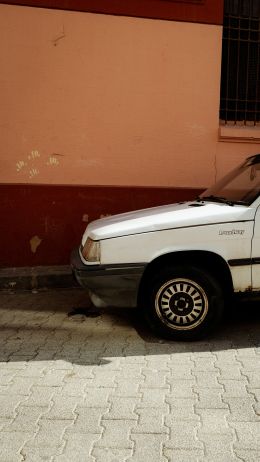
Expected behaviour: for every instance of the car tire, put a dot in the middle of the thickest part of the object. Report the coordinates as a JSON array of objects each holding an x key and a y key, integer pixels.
[{"x": 183, "y": 303}]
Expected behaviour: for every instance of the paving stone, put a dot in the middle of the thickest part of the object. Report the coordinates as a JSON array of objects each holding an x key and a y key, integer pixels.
[
  {"x": 248, "y": 455},
  {"x": 207, "y": 379},
  {"x": 245, "y": 353},
  {"x": 110, "y": 455},
  {"x": 154, "y": 378},
  {"x": 255, "y": 392},
  {"x": 127, "y": 387},
  {"x": 4, "y": 389},
  {"x": 234, "y": 388},
  {"x": 102, "y": 379},
  {"x": 153, "y": 397},
  {"x": 21, "y": 386},
  {"x": 26, "y": 419},
  {"x": 121, "y": 408},
  {"x": 11, "y": 455},
  {"x": 78, "y": 448},
  {"x": 6, "y": 376},
  {"x": 43, "y": 454},
  {"x": 4, "y": 422},
  {"x": 8, "y": 406},
  {"x": 184, "y": 455},
  {"x": 210, "y": 398},
  {"x": 213, "y": 420},
  {"x": 93, "y": 347},
  {"x": 181, "y": 372},
  {"x": 24, "y": 358},
  {"x": 205, "y": 364},
  {"x": 163, "y": 347},
  {"x": 80, "y": 372},
  {"x": 218, "y": 457},
  {"x": 74, "y": 387},
  {"x": 114, "y": 349},
  {"x": 184, "y": 358},
  {"x": 62, "y": 407},
  {"x": 116, "y": 434},
  {"x": 181, "y": 409},
  {"x": 183, "y": 435},
  {"x": 33, "y": 369},
  {"x": 248, "y": 435},
  {"x": 52, "y": 378},
  {"x": 97, "y": 397},
  {"x": 111, "y": 363},
  {"x": 226, "y": 356},
  {"x": 139, "y": 359},
  {"x": 87, "y": 420},
  {"x": 230, "y": 371},
  {"x": 181, "y": 388},
  {"x": 253, "y": 378},
  {"x": 13, "y": 441},
  {"x": 12, "y": 365},
  {"x": 251, "y": 364},
  {"x": 49, "y": 435},
  {"x": 242, "y": 410},
  {"x": 218, "y": 447},
  {"x": 151, "y": 421},
  {"x": 130, "y": 371},
  {"x": 148, "y": 448},
  {"x": 62, "y": 365},
  {"x": 160, "y": 362},
  {"x": 40, "y": 396},
  {"x": 42, "y": 355}
]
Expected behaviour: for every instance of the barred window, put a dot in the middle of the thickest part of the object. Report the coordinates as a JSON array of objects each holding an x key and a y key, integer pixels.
[{"x": 240, "y": 74}]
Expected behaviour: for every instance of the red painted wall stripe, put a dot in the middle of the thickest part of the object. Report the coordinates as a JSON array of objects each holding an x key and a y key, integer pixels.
[
  {"x": 204, "y": 11},
  {"x": 40, "y": 224}
]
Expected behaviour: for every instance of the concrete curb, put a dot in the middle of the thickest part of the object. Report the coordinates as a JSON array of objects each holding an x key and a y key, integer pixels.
[{"x": 38, "y": 277}]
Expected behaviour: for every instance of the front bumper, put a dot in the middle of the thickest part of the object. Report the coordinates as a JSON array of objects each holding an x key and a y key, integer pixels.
[{"x": 109, "y": 285}]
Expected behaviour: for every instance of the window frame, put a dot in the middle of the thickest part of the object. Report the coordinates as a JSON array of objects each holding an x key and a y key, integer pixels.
[{"x": 236, "y": 101}]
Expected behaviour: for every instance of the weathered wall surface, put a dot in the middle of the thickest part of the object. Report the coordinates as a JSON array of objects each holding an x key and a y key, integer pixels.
[
  {"x": 98, "y": 99},
  {"x": 42, "y": 223}
]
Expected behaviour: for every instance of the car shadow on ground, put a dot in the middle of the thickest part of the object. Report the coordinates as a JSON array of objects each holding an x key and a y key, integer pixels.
[
  {"x": 36, "y": 327},
  {"x": 239, "y": 328}
]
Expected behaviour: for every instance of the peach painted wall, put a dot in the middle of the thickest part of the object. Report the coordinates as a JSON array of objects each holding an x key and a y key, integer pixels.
[{"x": 104, "y": 100}]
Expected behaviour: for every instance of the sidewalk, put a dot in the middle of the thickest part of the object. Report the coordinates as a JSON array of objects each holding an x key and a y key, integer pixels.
[{"x": 103, "y": 389}]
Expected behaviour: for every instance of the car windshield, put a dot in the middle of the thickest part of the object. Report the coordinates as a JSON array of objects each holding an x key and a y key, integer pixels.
[{"x": 240, "y": 186}]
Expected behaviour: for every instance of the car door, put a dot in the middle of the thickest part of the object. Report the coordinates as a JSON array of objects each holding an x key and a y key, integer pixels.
[{"x": 255, "y": 256}]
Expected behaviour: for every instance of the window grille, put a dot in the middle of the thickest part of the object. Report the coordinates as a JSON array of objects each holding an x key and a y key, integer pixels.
[{"x": 240, "y": 73}]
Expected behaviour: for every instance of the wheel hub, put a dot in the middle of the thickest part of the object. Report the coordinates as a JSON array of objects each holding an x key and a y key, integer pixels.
[{"x": 181, "y": 304}]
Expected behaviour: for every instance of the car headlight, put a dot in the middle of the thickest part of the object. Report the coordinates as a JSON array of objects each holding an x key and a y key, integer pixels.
[{"x": 91, "y": 251}]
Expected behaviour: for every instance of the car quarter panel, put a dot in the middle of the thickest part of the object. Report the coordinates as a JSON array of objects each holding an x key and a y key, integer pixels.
[{"x": 231, "y": 241}]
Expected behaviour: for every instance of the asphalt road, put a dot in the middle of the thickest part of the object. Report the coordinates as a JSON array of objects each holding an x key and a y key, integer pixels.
[{"x": 102, "y": 388}]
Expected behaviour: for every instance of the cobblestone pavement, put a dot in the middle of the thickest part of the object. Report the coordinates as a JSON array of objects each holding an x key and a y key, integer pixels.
[{"x": 103, "y": 389}]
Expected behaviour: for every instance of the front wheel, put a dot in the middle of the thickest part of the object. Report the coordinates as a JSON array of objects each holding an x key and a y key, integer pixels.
[{"x": 183, "y": 303}]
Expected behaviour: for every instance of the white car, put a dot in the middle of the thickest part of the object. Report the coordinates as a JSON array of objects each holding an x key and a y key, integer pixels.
[{"x": 179, "y": 263}]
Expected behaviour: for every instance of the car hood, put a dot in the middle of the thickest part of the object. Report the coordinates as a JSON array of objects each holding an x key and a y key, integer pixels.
[{"x": 166, "y": 217}]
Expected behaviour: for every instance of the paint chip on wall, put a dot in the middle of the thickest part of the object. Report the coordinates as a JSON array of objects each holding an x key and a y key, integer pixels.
[
  {"x": 85, "y": 218},
  {"x": 35, "y": 241}
]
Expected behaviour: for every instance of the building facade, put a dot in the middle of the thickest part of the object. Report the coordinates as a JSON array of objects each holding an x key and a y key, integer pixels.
[{"x": 108, "y": 107}]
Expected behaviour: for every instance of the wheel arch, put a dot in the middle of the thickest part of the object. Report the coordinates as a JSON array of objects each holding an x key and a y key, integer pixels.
[{"x": 214, "y": 263}]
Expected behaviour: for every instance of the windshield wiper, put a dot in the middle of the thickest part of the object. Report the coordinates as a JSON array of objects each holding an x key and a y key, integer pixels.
[{"x": 219, "y": 199}]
